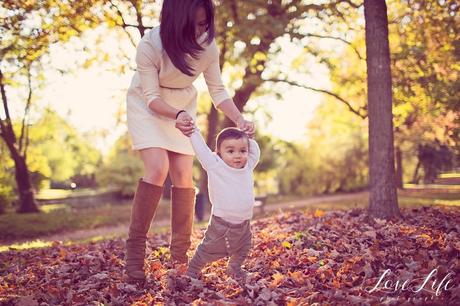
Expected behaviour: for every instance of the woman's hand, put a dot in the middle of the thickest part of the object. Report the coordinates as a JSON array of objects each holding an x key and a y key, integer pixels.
[
  {"x": 246, "y": 126},
  {"x": 185, "y": 124}
]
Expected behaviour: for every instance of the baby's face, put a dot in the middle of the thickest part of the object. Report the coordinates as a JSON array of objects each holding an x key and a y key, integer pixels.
[{"x": 234, "y": 152}]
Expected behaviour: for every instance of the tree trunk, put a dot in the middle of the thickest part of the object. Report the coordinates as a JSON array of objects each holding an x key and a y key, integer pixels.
[
  {"x": 213, "y": 121},
  {"x": 26, "y": 192},
  {"x": 399, "y": 169},
  {"x": 415, "y": 177},
  {"x": 251, "y": 82},
  {"x": 383, "y": 199},
  {"x": 27, "y": 203}
]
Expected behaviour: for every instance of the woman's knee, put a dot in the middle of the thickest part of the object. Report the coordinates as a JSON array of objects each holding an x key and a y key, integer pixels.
[
  {"x": 155, "y": 175},
  {"x": 182, "y": 179},
  {"x": 154, "y": 179},
  {"x": 182, "y": 176}
]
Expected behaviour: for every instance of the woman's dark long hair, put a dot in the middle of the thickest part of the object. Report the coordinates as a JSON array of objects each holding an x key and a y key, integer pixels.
[{"x": 177, "y": 30}]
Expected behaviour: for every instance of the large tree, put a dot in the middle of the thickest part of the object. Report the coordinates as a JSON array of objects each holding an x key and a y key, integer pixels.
[
  {"x": 27, "y": 31},
  {"x": 383, "y": 199}
]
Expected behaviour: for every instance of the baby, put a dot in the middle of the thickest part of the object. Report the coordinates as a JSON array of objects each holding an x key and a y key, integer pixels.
[{"x": 230, "y": 185}]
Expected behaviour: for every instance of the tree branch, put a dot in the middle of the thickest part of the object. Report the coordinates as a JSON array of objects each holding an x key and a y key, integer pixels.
[
  {"x": 234, "y": 7},
  {"x": 2, "y": 129},
  {"x": 354, "y": 5},
  {"x": 25, "y": 120},
  {"x": 138, "y": 9},
  {"x": 4, "y": 99},
  {"x": 337, "y": 38},
  {"x": 27, "y": 138},
  {"x": 5, "y": 125},
  {"x": 357, "y": 112},
  {"x": 124, "y": 25}
]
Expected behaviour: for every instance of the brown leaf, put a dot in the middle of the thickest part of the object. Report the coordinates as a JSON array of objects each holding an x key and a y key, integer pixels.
[{"x": 27, "y": 300}]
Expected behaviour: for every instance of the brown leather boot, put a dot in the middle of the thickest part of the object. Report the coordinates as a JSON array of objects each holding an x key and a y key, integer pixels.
[
  {"x": 182, "y": 209},
  {"x": 144, "y": 206}
]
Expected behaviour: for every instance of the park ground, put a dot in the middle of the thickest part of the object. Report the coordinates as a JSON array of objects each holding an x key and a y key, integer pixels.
[{"x": 316, "y": 250}]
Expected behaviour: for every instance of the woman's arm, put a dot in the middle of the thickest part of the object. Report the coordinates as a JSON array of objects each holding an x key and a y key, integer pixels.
[
  {"x": 219, "y": 95},
  {"x": 146, "y": 60},
  {"x": 184, "y": 121},
  {"x": 158, "y": 106},
  {"x": 230, "y": 110}
]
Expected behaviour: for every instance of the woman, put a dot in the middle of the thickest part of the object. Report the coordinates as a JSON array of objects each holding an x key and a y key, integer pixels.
[{"x": 161, "y": 107}]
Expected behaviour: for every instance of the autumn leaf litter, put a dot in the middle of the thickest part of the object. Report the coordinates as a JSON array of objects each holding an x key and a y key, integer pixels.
[{"x": 333, "y": 257}]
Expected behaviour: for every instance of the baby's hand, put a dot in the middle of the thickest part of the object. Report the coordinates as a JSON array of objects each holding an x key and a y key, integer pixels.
[
  {"x": 185, "y": 124},
  {"x": 189, "y": 131}
]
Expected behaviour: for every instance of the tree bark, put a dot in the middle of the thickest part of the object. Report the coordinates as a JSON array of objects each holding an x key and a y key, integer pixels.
[
  {"x": 383, "y": 199},
  {"x": 27, "y": 203},
  {"x": 399, "y": 169},
  {"x": 26, "y": 192},
  {"x": 415, "y": 177},
  {"x": 213, "y": 121}
]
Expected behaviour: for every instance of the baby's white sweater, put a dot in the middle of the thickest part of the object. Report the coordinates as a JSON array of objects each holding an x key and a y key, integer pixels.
[{"x": 230, "y": 190}]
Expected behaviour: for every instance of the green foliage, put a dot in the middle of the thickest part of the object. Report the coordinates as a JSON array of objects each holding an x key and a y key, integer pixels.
[
  {"x": 20, "y": 226},
  {"x": 266, "y": 170},
  {"x": 122, "y": 168},
  {"x": 422, "y": 36},
  {"x": 57, "y": 152},
  {"x": 27, "y": 31},
  {"x": 7, "y": 195},
  {"x": 30, "y": 27},
  {"x": 426, "y": 80},
  {"x": 434, "y": 159},
  {"x": 335, "y": 159}
]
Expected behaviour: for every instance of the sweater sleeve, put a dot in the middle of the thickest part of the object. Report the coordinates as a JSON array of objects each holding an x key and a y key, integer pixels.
[
  {"x": 205, "y": 156},
  {"x": 213, "y": 77},
  {"x": 147, "y": 68},
  {"x": 254, "y": 154}
]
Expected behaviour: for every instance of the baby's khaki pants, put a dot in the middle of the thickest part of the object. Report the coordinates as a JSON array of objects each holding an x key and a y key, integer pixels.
[{"x": 222, "y": 239}]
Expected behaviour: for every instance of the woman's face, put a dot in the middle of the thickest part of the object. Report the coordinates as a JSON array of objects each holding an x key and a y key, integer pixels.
[{"x": 201, "y": 22}]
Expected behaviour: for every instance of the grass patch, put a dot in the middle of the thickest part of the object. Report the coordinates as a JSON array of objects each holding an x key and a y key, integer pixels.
[
  {"x": 406, "y": 199},
  {"x": 275, "y": 199},
  {"x": 51, "y": 194},
  {"x": 403, "y": 201},
  {"x": 38, "y": 243},
  {"x": 60, "y": 218},
  {"x": 47, "y": 208},
  {"x": 55, "y": 220},
  {"x": 449, "y": 175}
]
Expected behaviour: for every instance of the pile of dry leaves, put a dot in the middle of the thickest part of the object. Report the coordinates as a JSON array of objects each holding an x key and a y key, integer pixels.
[{"x": 336, "y": 257}]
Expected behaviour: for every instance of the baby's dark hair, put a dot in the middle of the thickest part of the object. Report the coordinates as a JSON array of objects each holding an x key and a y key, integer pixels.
[{"x": 229, "y": 133}]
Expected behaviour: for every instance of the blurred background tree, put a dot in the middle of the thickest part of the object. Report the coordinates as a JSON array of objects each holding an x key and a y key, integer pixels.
[{"x": 27, "y": 30}]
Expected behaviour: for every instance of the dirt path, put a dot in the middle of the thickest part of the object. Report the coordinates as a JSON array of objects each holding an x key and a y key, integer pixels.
[
  {"x": 315, "y": 200},
  {"x": 120, "y": 231}
]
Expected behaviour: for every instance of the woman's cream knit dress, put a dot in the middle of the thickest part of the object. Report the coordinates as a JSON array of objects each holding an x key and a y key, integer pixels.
[{"x": 156, "y": 76}]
